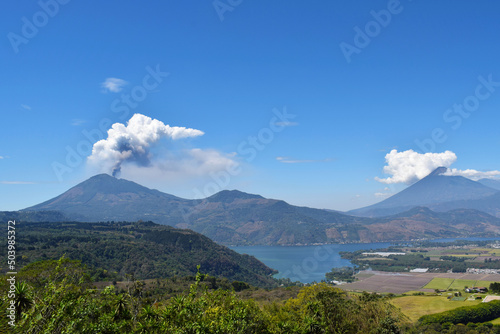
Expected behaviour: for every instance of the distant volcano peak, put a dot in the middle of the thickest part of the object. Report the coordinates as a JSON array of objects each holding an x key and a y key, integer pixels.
[
  {"x": 439, "y": 171},
  {"x": 432, "y": 191}
]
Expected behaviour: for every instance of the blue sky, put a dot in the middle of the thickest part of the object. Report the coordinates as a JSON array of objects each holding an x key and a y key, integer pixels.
[{"x": 232, "y": 65}]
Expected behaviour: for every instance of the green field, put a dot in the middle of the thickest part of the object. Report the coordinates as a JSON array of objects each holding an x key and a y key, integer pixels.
[
  {"x": 457, "y": 284},
  {"x": 416, "y": 306},
  {"x": 484, "y": 283},
  {"x": 464, "y": 255},
  {"x": 494, "y": 251},
  {"x": 460, "y": 284},
  {"x": 439, "y": 283}
]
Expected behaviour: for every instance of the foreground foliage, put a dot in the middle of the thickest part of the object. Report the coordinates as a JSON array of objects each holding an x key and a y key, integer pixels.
[{"x": 60, "y": 298}]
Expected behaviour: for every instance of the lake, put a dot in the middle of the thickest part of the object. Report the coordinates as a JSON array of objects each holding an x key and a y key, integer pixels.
[{"x": 310, "y": 263}]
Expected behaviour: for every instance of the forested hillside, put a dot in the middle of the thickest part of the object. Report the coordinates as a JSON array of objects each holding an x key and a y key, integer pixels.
[{"x": 143, "y": 249}]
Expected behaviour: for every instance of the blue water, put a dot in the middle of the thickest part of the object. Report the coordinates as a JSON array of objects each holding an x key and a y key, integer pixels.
[
  {"x": 310, "y": 263},
  {"x": 305, "y": 263}
]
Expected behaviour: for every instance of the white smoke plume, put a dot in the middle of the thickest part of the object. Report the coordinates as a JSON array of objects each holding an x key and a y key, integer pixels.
[
  {"x": 132, "y": 143},
  {"x": 410, "y": 166}
]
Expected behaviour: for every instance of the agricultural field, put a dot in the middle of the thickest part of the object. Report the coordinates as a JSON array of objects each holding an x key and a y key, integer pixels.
[
  {"x": 416, "y": 291},
  {"x": 455, "y": 284},
  {"x": 440, "y": 283},
  {"x": 416, "y": 306},
  {"x": 399, "y": 283},
  {"x": 460, "y": 284},
  {"x": 454, "y": 257},
  {"x": 471, "y": 254},
  {"x": 494, "y": 252}
]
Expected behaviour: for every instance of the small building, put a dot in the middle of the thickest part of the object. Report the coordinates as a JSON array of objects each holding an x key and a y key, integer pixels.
[{"x": 419, "y": 270}]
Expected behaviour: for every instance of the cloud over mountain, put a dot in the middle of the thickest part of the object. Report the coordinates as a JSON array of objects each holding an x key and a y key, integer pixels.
[
  {"x": 473, "y": 174},
  {"x": 410, "y": 166},
  {"x": 132, "y": 143}
]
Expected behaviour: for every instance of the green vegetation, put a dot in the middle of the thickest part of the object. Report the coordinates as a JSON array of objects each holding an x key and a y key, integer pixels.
[
  {"x": 456, "y": 256},
  {"x": 60, "y": 298},
  {"x": 32, "y": 216},
  {"x": 494, "y": 287},
  {"x": 460, "y": 284},
  {"x": 439, "y": 283},
  {"x": 396, "y": 263},
  {"x": 345, "y": 274},
  {"x": 143, "y": 250},
  {"x": 141, "y": 277},
  {"x": 478, "y": 313},
  {"x": 417, "y": 306}
]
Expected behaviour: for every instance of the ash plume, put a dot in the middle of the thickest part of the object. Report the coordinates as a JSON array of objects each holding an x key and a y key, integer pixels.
[
  {"x": 132, "y": 143},
  {"x": 116, "y": 171}
]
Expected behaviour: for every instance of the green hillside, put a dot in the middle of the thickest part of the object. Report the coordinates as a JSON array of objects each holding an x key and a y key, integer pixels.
[{"x": 142, "y": 249}]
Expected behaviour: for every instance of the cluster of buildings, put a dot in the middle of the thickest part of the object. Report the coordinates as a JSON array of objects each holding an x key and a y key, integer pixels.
[
  {"x": 383, "y": 254},
  {"x": 482, "y": 271},
  {"x": 478, "y": 289}
]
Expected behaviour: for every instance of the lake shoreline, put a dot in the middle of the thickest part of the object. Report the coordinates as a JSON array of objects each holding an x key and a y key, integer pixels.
[
  {"x": 361, "y": 242},
  {"x": 310, "y": 263}
]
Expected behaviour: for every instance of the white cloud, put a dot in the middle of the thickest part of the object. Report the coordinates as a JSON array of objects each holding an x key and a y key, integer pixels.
[
  {"x": 113, "y": 85},
  {"x": 288, "y": 160},
  {"x": 25, "y": 107},
  {"x": 472, "y": 174},
  {"x": 410, "y": 166},
  {"x": 130, "y": 147},
  {"x": 1, "y": 157}
]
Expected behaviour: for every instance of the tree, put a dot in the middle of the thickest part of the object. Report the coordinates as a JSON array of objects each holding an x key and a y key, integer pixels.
[
  {"x": 495, "y": 287},
  {"x": 23, "y": 299}
]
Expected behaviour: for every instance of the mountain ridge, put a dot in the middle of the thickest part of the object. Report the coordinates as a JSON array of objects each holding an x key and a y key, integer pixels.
[
  {"x": 233, "y": 217},
  {"x": 430, "y": 190}
]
